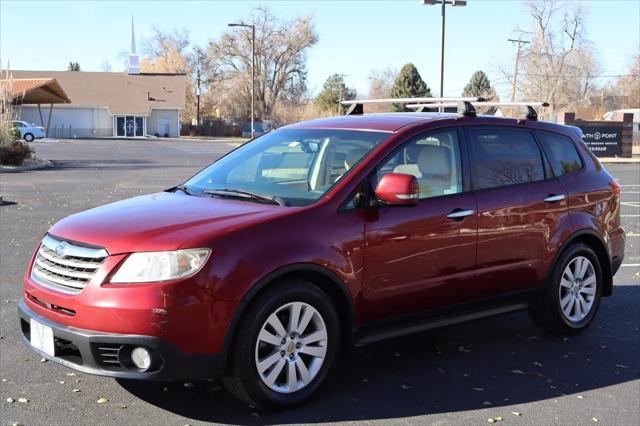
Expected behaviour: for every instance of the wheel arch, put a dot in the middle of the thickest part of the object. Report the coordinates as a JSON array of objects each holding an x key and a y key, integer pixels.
[
  {"x": 322, "y": 277},
  {"x": 596, "y": 242}
]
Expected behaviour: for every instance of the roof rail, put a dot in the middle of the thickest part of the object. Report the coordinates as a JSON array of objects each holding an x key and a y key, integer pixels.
[
  {"x": 465, "y": 108},
  {"x": 531, "y": 112},
  {"x": 357, "y": 106},
  {"x": 410, "y": 100}
]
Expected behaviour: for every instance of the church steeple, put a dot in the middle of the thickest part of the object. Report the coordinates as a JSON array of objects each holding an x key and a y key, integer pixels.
[{"x": 134, "y": 66}]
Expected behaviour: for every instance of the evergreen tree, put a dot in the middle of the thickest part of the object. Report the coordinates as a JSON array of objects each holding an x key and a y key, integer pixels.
[
  {"x": 73, "y": 66},
  {"x": 408, "y": 84},
  {"x": 333, "y": 92},
  {"x": 479, "y": 85}
]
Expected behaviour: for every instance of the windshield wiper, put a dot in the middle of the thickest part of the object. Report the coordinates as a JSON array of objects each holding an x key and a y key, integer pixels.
[
  {"x": 183, "y": 189},
  {"x": 246, "y": 194}
]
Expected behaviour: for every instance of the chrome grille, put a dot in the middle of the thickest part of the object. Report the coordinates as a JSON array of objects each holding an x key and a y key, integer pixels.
[{"x": 66, "y": 266}]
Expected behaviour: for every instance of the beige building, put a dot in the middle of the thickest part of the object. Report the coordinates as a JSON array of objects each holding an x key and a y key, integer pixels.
[{"x": 110, "y": 104}]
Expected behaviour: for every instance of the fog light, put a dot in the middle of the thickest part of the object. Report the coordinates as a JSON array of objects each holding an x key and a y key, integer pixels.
[{"x": 141, "y": 358}]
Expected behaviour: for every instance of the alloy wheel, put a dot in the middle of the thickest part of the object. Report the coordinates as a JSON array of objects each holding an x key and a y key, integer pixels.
[
  {"x": 577, "y": 289},
  {"x": 291, "y": 347}
]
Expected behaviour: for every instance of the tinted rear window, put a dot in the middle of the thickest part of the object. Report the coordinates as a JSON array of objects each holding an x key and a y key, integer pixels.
[
  {"x": 504, "y": 157},
  {"x": 561, "y": 153}
]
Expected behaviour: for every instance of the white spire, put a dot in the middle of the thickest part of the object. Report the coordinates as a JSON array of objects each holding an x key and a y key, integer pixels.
[
  {"x": 133, "y": 36},
  {"x": 134, "y": 66}
]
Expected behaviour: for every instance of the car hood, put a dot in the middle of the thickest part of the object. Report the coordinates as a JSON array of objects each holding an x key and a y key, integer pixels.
[{"x": 162, "y": 221}]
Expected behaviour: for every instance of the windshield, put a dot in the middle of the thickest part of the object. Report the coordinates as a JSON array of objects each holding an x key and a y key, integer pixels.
[{"x": 297, "y": 166}]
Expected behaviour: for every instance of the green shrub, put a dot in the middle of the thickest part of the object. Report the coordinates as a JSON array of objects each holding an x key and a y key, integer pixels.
[
  {"x": 15, "y": 133},
  {"x": 14, "y": 153}
]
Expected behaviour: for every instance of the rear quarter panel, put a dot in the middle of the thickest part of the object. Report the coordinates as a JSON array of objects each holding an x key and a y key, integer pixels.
[{"x": 592, "y": 204}]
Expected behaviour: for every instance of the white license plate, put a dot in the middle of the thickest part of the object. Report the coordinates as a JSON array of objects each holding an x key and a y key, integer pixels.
[{"x": 42, "y": 337}]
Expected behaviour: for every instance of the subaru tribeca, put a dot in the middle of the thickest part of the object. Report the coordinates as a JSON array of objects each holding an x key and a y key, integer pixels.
[{"x": 324, "y": 234}]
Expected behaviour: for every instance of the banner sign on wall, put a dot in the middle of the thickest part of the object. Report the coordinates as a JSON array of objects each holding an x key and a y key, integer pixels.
[{"x": 603, "y": 141}]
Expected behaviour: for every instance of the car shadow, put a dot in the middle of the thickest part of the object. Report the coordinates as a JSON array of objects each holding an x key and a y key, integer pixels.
[
  {"x": 494, "y": 362},
  {"x": 110, "y": 164}
]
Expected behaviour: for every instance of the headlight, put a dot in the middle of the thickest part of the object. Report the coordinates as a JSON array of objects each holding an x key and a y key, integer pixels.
[{"x": 160, "y": 265}]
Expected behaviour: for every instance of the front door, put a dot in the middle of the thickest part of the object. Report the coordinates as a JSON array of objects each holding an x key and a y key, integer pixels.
[
  {"x": 129, "y": 126},
  {"x": 424, "y": 256}
]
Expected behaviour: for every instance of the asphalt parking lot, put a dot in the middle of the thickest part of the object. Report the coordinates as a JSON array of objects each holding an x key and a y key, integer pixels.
[{"x": 465, "y": 374}]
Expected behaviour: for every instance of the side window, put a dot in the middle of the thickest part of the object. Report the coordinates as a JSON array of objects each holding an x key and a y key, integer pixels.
[
  {"x": 433, "y": 158},
  {"x": 561, "y": 153},
  {"x": 503, "y": 157}
]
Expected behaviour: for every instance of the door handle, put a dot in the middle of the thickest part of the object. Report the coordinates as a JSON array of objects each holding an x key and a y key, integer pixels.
[
  {"x": 459, "y": 214},
  {"x": 553, "y": 198}
]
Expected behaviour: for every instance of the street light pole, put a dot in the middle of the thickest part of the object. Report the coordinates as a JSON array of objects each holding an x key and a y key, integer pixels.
[
  {"x": 442, "y": 22},
  {"x": 198, "y": 104},
  {"x": 253, "y": 71},
  {"x": 444, "y": 3}
]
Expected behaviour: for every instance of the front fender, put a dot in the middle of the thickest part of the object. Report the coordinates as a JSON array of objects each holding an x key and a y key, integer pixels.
[{"x": 244, "y": 258}]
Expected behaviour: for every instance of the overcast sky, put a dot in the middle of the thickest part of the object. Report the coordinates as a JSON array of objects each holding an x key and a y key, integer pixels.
[{"x": 355, "y": 36}]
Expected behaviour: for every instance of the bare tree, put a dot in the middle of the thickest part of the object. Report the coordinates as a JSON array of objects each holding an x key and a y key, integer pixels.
[
  {"x": 106, "y": 66},
  {"x": 281, "y": 71},
  {"x": 170, "y": 52},
  {"x": 380, "y": 84},
  {"x": 628, "y": 86},
  {"x": 559, "y": 65},
  {"x": 167, "y": 52}
]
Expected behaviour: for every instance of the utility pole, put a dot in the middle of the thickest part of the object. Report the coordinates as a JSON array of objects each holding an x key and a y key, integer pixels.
[
  {"x": 340, "y": 92},
  {"x": 518, "y": 43}
]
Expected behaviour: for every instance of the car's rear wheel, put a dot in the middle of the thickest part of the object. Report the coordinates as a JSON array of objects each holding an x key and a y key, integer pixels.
[
  {"x": 572, "y": 297},
  {"x": 28, "y": 137},
  {"x": 286, "y": 343}
]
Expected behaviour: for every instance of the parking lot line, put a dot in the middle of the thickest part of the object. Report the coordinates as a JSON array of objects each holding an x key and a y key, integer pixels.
[{"x": 630, "y": 264}]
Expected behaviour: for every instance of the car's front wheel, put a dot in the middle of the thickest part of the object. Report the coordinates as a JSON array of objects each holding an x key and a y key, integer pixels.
[
  {"x": 571, "y": 298},
  {"x": 28, "y": 137},
  {"x": 286, "y": 343}
]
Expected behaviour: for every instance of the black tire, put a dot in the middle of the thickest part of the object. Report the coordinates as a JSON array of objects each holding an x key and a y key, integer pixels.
[
  {"x": 242, "y": 379},
  {"x": 547, "y": 310},
  {"x": 28, "y": 137}
]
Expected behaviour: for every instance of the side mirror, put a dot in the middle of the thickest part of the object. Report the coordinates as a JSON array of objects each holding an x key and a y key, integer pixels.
[{"x": 398, "y": 189}]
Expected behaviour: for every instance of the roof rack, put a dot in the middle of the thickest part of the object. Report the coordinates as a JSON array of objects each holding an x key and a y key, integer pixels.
[
  {"x": 464, "y": 104},
  {"x": 531, "y": 115}
]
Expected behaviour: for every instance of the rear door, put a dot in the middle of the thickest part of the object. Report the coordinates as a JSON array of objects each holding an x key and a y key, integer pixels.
[{"x": 520, "y": 209}]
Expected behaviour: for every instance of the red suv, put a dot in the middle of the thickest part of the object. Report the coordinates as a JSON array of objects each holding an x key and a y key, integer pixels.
[{"x": 262, "y": 267}]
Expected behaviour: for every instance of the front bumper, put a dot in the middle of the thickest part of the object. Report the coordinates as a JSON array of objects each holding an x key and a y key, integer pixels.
[{"x": 107, "y": 354}]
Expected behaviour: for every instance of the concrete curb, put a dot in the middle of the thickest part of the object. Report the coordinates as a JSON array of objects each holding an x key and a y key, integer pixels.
[
  {"x": 39, "y": 164},
  {"x": 620, "y": 160}
]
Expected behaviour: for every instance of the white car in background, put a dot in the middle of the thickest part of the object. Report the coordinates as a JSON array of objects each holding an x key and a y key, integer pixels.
[{"x": 29, "y": 132}]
